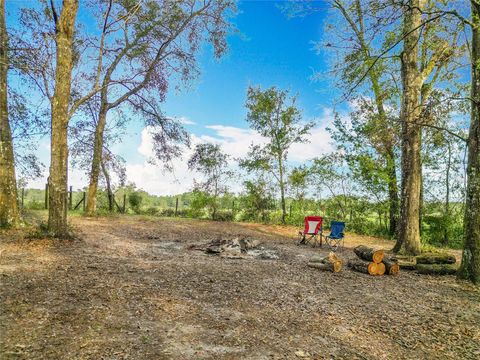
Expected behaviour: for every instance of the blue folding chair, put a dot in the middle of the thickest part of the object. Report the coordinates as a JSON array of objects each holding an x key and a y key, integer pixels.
[{"x": 336, "y": 237}]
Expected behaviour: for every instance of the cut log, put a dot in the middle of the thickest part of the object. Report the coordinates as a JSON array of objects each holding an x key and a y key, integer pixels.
[
  {"x": 407, "y": 265},
  {"x": 436, "y": 259},
  {"x": 437, "y": 269},
  {"x": 331, "y": 262},
  {"x": 391, "y": 266},
  {"x": 363, "y": 266},
  {"x": 369, "y": 254},
  {"x": 327, "y": 266},
  {"x": 381, "y": 268}
]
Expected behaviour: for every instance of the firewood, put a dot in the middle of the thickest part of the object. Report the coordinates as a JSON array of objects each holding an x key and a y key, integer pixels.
[
  {"x": 363, "y": 266},
  {"x": 436, "y": 259},
  {"x": 369, "y": 254},
  {"x": 331, "y": 262},
  {"x": 436, "y": 269},
  {"x": 381, "y": 268},
  {"x": 391, "y": 266},
  {"x": 327, "y": 266}
]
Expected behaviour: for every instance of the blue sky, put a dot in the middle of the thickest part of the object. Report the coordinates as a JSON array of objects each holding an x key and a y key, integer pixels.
[{"x": 269, "y": 49}]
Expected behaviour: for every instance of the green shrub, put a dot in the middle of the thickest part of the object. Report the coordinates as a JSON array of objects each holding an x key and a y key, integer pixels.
[
  {"x": 152, "y": 210},
  {"x": 135, "y": 201},
  {"x": 167, "y": 212},
  {"x": 224, "y": 215}
]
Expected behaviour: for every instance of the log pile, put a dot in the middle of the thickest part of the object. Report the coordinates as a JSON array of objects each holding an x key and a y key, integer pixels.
[
  {"x": 373, "y": 262},
  {"x": 329, "y": 263},
  {"x": 436, "y": 264}
]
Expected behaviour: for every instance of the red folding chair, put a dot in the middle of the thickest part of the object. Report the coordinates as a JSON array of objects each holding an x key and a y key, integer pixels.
[{"x": 312, "y": 232}]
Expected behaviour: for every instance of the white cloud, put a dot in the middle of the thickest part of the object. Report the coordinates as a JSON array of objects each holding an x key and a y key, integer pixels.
[
  {"x": 235, "y": 141},
  {"x": 185, "y": 121}
]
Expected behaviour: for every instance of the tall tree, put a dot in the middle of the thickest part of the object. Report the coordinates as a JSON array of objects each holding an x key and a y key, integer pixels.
[
  {"x": 379, "y": 130},
  {"x": 8, "y": 187},
  {"x": 209, "y": 160},
  {"x": 274, "y": 115},
  {"x": 58, "y": 177},
  {"x": 421, "y": 58},
  {"x": 470, "y": 267},
  {"x": 158, "y": 39}
]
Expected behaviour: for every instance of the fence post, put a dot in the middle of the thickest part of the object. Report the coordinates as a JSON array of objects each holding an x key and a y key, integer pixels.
[
  {"x": 84, "y": 200},
  {"x": 46, "y": 196},
  {"x": 290, "y": 210},
  {"x": 23, "y": 195},
  {"x": 176, "y": 207},
  {"x": 124, "y": 203},
  {"x": 70, "y": 198}
]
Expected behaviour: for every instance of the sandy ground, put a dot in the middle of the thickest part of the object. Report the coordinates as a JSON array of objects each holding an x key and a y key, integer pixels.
[{"x": 133, "y": 288}]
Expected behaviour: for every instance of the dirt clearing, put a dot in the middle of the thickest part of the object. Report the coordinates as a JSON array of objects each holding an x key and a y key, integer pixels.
[{"x": 136, "y": 288}]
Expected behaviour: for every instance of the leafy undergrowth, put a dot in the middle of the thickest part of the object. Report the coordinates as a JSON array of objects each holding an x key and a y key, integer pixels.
[{"x": 135, "y": 288}]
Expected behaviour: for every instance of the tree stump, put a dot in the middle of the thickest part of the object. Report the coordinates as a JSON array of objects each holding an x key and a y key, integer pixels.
[{"x": 369, "y": 254}]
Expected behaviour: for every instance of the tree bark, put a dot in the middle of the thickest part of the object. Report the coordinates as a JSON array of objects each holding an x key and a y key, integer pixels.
[
  {"x": 109, "y": 186},
  {"x": 97, "y": 158},
  {"x": 58, "y": 178},
  {"x": 408, "y": 227},
  {"x": 9, "y": 215},
  {"x": 391, "y": 266},
  {"x": 282, "y": 191},
  {"x": 394, "y": 201},
  {"x": 470, "y": 267}
]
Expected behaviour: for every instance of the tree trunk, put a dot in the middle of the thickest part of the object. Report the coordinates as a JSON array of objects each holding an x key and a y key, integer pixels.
[
  {"x": 282, "y": 191},
  {"x": 408, "y": 226},
  {"x": 109, "y": 187},
  {"x": 470, "y": 267},
  {"x": 8, "y": 185},
  {"x": 392, "y": 192},
  {"x": 58, "y": 178},
  {"x": 446, "y": 221},
  {"x": 97, "y": 160}
]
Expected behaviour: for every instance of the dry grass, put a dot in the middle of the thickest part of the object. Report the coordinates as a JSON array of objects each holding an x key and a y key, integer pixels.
[{"x": 130, "y": 288}]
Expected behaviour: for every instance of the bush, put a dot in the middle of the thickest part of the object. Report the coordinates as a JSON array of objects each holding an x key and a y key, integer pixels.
[
  {"x": 135, "y": 200},
  {"x": 167, "y": 212},
  {"x": 152, "y": 210},
  {"x": 35, "y": 205},
  {"x": 441, "y": 230},
  {"x": 224, "y": 215}
]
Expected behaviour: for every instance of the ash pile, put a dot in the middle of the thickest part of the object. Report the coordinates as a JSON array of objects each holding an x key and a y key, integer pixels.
[{"x": 239, "y": 248}]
